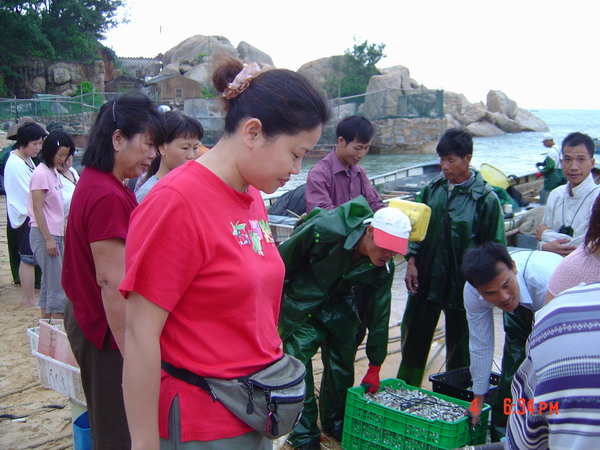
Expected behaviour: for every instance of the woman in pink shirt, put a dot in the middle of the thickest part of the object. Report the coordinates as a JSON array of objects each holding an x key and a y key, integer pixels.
[
  {"x": 581, "y": 266},
  {"x": 45, "y": 208}
]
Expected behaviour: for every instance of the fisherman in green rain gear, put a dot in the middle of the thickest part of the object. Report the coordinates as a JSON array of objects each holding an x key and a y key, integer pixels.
[
  {"x": 465, "y": 212},
  {"x": 332, "y": 252}
]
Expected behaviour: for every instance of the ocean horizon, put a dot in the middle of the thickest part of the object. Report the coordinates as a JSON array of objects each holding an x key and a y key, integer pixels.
[{"x": 512, "y": 153}]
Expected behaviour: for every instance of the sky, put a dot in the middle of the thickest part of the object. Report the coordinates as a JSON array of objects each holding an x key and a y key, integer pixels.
[{"x": 542, "y": 54}]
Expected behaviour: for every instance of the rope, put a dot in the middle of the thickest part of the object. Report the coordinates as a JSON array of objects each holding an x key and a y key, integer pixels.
[
  {"x": 21, "y": 389},
  {"x": 54, "y": 439}
]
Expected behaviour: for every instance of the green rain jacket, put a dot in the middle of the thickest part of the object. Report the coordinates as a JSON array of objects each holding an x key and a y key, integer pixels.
[
  {"x": 553, "y": 176},
  {"x": 321, "y": 270},
  {"x": 462, "y": 219}
]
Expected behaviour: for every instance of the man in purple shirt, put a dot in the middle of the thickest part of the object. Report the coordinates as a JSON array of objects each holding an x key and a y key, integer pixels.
[{"x": 338, "y": 178}]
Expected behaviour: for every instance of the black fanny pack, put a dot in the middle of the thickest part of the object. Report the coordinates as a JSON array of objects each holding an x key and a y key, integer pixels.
[{"x": 270, "y": 400}]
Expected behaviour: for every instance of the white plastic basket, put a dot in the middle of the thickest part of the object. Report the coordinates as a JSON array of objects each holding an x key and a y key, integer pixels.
[
  {"x": 34, "y": 336},
  {"x": 60, "y": 377},
  {"x": 56, "y": 375},
  {"x": 34, "y": 332}
]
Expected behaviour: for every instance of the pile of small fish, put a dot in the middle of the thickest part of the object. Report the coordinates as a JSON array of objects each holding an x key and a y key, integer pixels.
[{"x": 418, "y": 403}]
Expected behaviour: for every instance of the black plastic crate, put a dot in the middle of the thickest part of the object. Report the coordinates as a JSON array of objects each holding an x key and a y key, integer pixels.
[{"x": 455, "y": 383}]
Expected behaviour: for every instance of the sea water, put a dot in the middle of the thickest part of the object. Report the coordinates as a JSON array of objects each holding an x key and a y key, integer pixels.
[{"x": 514, "y": 154}]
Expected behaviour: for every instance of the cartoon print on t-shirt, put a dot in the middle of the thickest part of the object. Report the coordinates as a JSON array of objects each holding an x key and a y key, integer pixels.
[
  {"x": 266, "y": 229},
  {"x": 256, "y": 236},
  {"x": 239, "y": 230}
]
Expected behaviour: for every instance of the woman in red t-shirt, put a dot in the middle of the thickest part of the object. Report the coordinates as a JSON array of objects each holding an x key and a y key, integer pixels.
[
  {"x": 123, "y": 143},
  {"x": 204, "y": 277}
]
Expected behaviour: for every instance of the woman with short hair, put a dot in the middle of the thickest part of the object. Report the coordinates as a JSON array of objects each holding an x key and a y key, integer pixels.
[{"x": 17, "y": 174}]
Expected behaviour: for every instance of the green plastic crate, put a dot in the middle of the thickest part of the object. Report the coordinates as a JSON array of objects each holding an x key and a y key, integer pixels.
[{"x": 369, "y": 425}]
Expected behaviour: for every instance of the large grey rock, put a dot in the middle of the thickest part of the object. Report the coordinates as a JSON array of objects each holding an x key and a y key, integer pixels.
[
  {"x": 248, "y": 53},
  {"x": 455, "y": 104},
  {"x": 170, "y": 68},
  {"x": 184, "y": 68},
  {"x": 99, "y": 75},
  {"x": 452, "y": 122},
  {"x": 529, "y": 122},
  {"x": 38, "y": 85},
  {"x": 79, "y": 74},
  {"x": 407, "y": 135},
  {"x": 498, "y": 102},
  {"x": 139, "y": 67},
  {"x": 59, "y": 73},
  {"x": 484, "y": 129},
  {"x": 504, "y": 123},
  {"x": 396, "y": 77},
  {"x": 322, "y": 70},
  {"x": 151, "y": 70},
  {"x": 197, "y": 45},
  {"x": 202, "y": 73},
  {"x": 473, "y": 113},
  {"x": 340, "y": 111},
  {"x": 384, "y": 91}
]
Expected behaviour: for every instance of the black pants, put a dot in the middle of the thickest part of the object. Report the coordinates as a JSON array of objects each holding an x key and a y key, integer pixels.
[
  {"x": 418, "y": 326},
  {"x": 517, "y": 328},
  {"x": 101, "y": 377}
]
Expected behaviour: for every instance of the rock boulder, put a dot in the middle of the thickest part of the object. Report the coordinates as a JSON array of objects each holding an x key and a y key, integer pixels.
[
  {"x": 483, "y": 129},
  {"x": 322, "y": 70},
  {"x": 530, "y": 122},
  {"x": 199, "y": 45},
  {"x": 248, "y": 53},
  {"x": 498, "y": 102},
  {"x": 472, "y": 113},
  {"x": 504, "y": 123}
]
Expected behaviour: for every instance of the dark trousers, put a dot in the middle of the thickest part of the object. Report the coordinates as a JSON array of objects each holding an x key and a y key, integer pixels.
[
  {"x": 13, "y": 252},
  {"x": 338, "y": 375},
  {"x": 418, "y": 326},
  {"x": 517, "y": 328},
  {"x": 13, "y": 256},
  {"x": 101, "y": 377}
]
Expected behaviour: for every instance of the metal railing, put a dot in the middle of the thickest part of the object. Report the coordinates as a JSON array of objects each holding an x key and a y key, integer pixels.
[
  {"x": 377, "y": 105},
  {"x": 391, "y": 104}
]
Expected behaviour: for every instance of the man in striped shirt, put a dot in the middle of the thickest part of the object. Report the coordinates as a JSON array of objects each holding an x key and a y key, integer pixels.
[
  {"x": 516, "y": 283},
  {"x": 559, "y": 380}
]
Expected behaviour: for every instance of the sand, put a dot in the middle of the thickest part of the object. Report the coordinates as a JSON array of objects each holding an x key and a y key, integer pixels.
[{"x": 31, "y": 415}]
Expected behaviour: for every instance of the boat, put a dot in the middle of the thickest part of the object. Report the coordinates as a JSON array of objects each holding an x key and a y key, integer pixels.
[{"x": 405, "y": 184}]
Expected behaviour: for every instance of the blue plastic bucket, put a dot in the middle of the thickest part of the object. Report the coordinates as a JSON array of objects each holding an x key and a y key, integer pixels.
[{"x": 82, "y": 437}]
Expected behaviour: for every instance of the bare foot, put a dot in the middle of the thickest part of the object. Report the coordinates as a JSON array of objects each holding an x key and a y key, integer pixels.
[{"x": 30, "y": 303}]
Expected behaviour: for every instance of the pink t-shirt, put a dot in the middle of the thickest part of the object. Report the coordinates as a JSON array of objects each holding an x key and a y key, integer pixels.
[
  {"x": 45, "y": 179},
  {"x": 205, "y": 253},
  {"x": 578, "y": 267}
]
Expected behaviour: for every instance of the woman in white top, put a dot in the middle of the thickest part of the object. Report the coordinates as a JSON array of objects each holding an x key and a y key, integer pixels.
[
  {"x": 69, "y": 178},
  {"x": 17, "y": 174}
]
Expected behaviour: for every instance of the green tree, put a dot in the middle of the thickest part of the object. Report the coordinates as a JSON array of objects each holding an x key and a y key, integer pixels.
[
  {"x": 355, "y": 68},
  {"x": 51, "y": 30}
]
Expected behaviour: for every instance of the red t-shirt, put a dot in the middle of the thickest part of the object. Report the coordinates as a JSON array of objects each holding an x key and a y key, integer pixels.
[
  {"x": 100, "y": 210},
  {"x": 205, "y": 253}
]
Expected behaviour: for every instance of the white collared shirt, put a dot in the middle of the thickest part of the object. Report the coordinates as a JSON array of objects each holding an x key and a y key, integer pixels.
[
  {"x": 574, "y": 210},
  {"x": 534, "y": 269}
]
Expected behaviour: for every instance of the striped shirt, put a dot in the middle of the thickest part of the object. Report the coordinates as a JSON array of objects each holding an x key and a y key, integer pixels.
[
  {"x": 562, "y": 368},
  {"x": 534, "y": 269}
]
